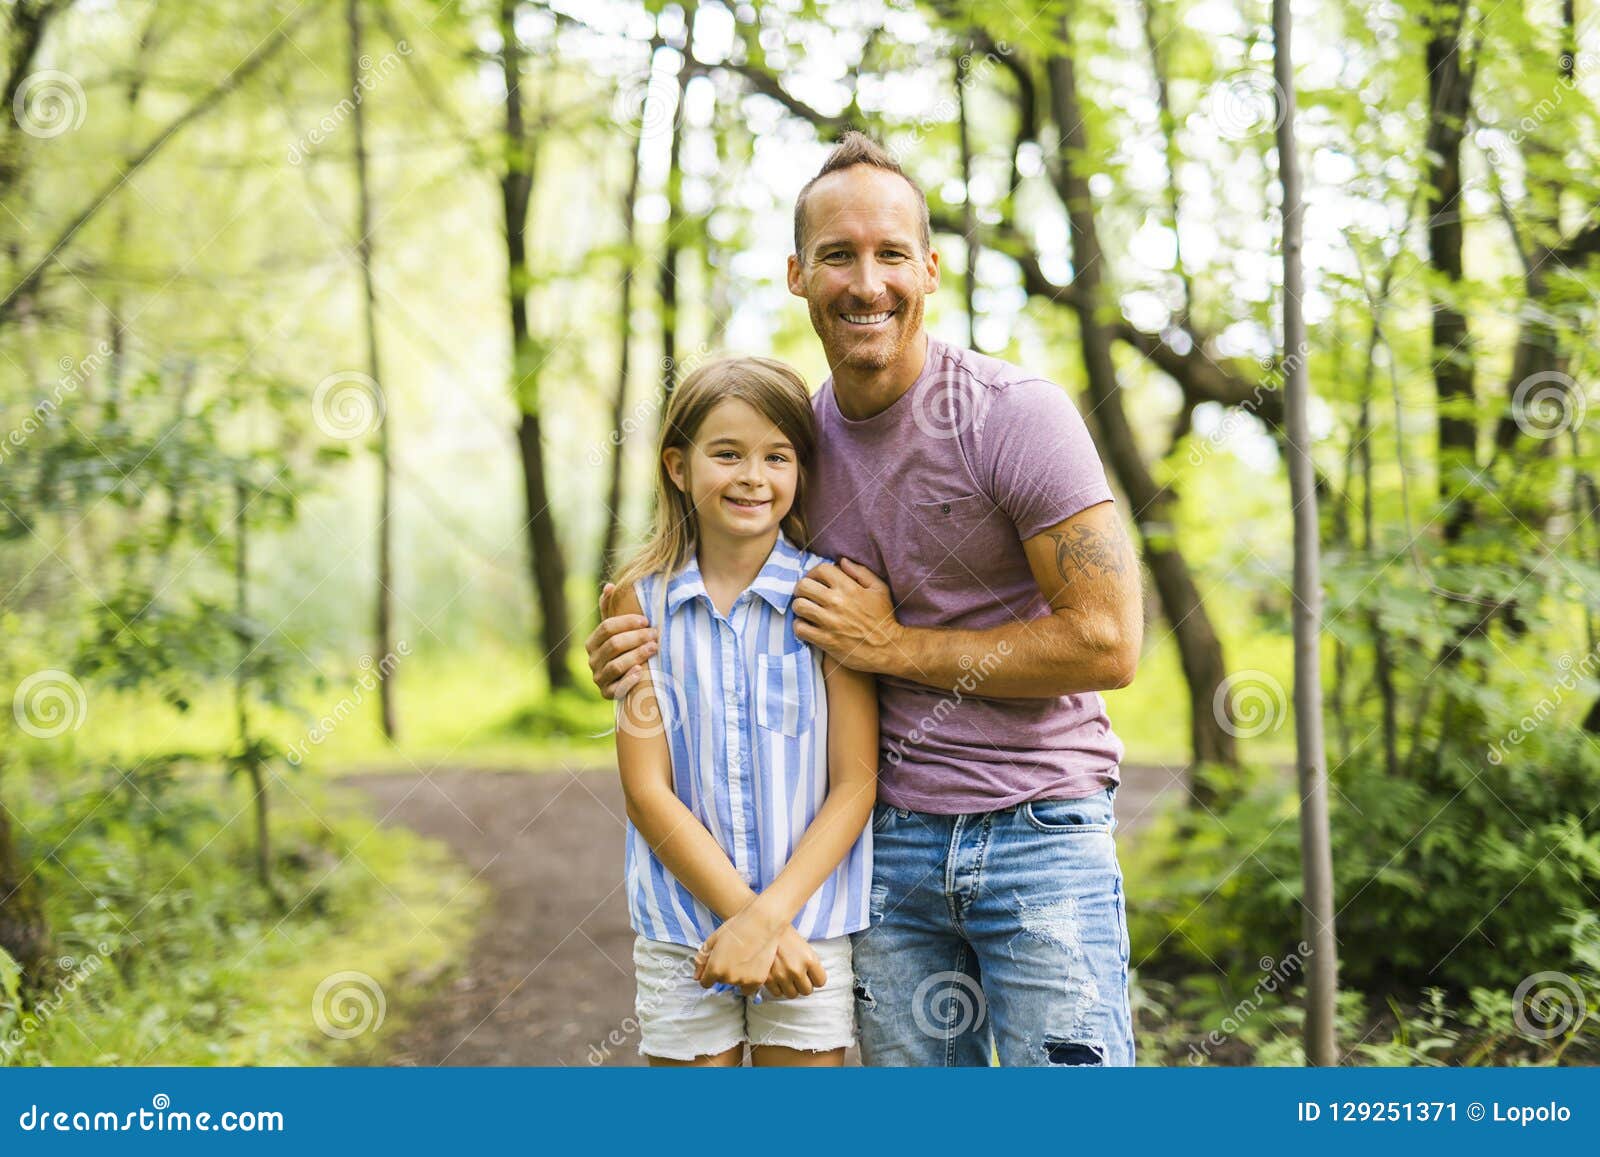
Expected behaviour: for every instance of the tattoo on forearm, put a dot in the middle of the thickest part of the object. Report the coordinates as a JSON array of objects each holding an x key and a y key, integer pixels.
[{"x": 1086, "y": 552}]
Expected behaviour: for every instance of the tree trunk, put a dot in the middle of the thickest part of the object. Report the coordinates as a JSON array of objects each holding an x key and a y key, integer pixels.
[
  {"x": 619, "y": 398},
  {"x": 1449, "y": 93},
  {"x": 1199, "y": 649},
  {"x": 549, "y": 569},
  {"x": 241, "y": 690},
  {"x": 673, "y": 245},
  {"x": 969, "y": 212},
  {"x": 1316, "y": 859},
  {"x": 24, "y": 932},
  {"x": 383, "y": 596}
]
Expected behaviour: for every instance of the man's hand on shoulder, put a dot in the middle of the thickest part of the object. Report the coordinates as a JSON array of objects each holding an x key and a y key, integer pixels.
[
  {"x": 621, "y": 645},
  {"x": 847, "y": 611}
]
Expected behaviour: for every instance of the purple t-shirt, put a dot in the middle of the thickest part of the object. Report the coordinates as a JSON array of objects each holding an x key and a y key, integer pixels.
[{"x": 937, "y": 494}]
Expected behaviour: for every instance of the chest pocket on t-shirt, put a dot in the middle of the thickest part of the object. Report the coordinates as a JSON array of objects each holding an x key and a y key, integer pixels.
[{"x": 957, "y": 539}]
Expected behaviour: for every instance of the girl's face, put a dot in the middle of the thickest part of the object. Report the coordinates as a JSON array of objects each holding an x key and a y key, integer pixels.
[{"x": 740, "y": 474}]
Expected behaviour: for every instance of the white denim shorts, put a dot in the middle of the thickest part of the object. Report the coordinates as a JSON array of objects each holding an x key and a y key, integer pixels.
[{"x": 679, "y": 1020}]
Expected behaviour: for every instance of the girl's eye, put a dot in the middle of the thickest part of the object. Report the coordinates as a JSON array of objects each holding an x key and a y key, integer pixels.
[
  {"x": 726, "y": 454},
  {"x": 777, "y": 458}
]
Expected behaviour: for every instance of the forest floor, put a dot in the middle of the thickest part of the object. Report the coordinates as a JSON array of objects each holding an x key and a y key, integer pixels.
[{"x": 548, "y": 979}]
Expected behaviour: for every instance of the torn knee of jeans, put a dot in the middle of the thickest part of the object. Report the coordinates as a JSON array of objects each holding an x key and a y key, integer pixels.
[
  {"x": 1071, "y": 1052},
  {"x": 863, "y": 993}
]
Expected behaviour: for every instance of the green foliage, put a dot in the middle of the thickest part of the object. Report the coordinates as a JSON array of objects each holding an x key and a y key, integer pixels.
[
  {"x": 164, "y": 958},
  {"x": 566, "y": 714},
  {"x": 1461, "y": 875}
]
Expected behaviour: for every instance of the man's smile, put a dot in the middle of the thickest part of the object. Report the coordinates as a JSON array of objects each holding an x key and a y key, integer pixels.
[{"x": 868, "y": 320}]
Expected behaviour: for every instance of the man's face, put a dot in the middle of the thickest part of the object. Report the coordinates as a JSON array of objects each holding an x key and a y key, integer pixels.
[{"x": 863, "y": 271}]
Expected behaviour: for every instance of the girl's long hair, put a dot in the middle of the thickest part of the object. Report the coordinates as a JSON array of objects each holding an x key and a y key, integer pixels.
[{"x": 776, "y": 392}]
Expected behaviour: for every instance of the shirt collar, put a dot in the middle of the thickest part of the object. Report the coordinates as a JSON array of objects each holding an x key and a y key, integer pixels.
[{"x": 774, "y": 582}]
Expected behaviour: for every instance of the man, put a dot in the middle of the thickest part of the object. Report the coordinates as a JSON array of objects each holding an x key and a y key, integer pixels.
[{"x": 986, "y": 579}]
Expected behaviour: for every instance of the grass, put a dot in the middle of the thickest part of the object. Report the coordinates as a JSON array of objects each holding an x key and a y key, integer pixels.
[
  {"x": 483, "y": 708},
  {"x": 169, "y": 953}
]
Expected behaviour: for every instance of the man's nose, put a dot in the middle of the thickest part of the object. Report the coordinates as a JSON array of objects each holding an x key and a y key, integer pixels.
[{"x": 867, "y": 285}]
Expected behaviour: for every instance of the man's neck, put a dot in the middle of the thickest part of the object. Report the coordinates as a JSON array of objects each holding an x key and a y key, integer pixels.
[{"x": 862, "y": 394}]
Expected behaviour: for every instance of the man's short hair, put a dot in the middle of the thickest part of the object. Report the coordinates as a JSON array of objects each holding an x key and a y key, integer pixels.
[{"x": 853, "y": 149}]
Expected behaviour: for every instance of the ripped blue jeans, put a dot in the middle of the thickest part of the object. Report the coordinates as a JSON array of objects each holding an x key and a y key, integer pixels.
[{"x": 999, "y": 930}]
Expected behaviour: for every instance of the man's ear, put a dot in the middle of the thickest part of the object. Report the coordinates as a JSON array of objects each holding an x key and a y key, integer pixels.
[
  {"x": 931, "y": 268},
  {"x": 796, "y": 284},
  {"x": 672, "y": 458}
]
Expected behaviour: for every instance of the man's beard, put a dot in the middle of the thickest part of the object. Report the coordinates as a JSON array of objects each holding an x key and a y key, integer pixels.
[{"x": 849, "y": 349}]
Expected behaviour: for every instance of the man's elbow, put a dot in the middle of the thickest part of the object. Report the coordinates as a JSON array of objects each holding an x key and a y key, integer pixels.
[
  {"x": 1121, "y": 668},
  {"x": 1122, "y": 655}
]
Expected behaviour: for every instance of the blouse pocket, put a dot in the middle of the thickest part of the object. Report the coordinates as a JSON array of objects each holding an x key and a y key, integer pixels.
[{"x": 785, "y": 691}]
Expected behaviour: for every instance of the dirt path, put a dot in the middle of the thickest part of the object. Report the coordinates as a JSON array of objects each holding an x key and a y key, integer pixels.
[{"x": 549, "y": 980}]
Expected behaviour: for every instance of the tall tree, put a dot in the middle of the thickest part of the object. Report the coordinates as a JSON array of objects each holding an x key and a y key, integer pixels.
[
  {"x": 383, "y": 596},
  {"x": 1450, "y": 79},
  {"x": 1199, "y": 649},
  {"x": 1311, "y": 761},
  {"x": 516, "y": 186},
  {"x": 619, "y": 396},
  {"x": 673, "y": 245}
]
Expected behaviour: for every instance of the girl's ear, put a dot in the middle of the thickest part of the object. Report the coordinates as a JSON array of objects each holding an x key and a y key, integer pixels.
[{"x": 672, "y": 458}]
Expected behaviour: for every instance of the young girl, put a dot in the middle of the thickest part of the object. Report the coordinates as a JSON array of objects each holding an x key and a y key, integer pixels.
[{"x": 748, "y": 759}]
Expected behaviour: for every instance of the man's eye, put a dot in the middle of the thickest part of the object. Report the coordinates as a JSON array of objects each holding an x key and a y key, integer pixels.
[
  {"x": 892, "y": 255},
  {"x": 834, "y": 258}
]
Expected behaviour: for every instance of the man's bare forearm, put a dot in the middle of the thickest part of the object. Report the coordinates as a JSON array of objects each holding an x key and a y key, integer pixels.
[{"x": 1056, "y": 654}]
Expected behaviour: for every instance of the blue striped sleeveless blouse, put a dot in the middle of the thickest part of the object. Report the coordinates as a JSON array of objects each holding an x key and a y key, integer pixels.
[{"x": 746, "y": 718}]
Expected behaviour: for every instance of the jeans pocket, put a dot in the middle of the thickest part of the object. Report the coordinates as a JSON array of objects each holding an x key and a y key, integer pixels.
[{"x": 1089, "y": 815}]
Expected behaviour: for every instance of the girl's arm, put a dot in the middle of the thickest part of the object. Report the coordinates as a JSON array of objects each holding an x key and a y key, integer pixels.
[
  {"x": 680, "y": 841},
  {"x": 852, "y": 790}
]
